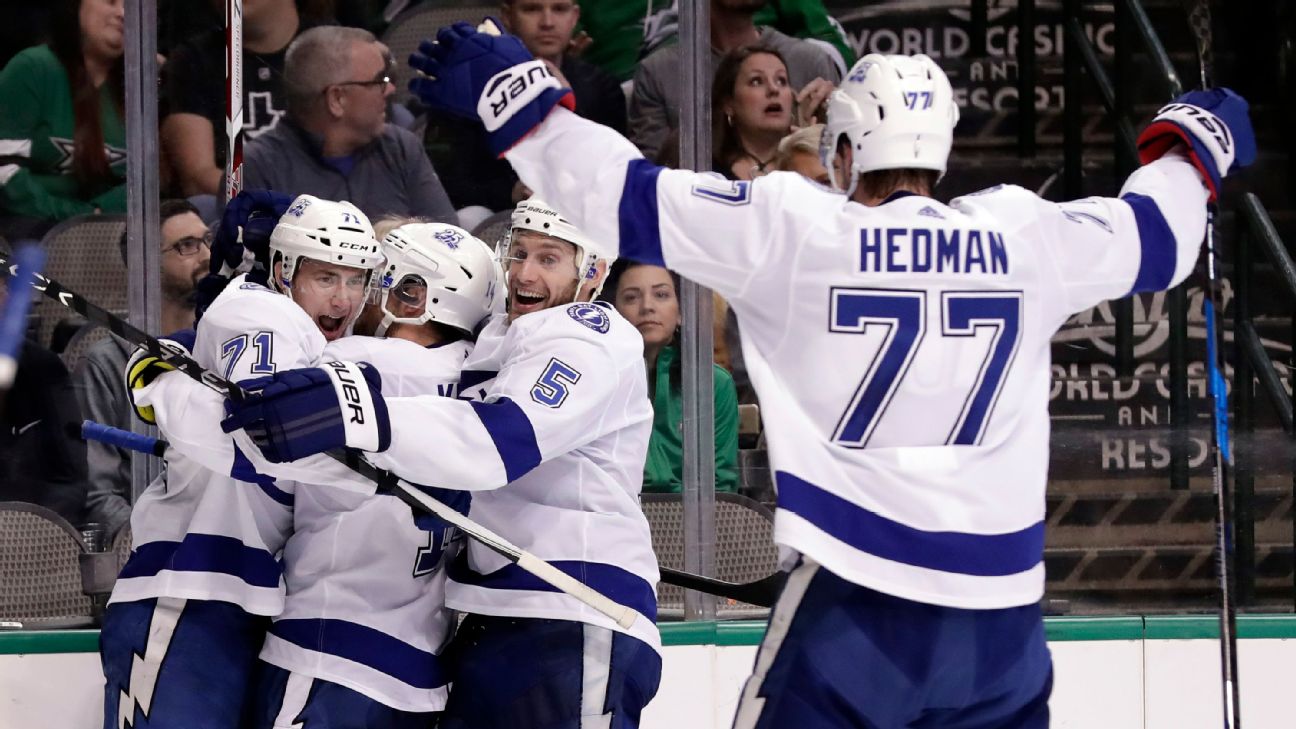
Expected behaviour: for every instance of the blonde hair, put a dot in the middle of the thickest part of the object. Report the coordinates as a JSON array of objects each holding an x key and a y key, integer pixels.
[{"x": 804, "y": 140}]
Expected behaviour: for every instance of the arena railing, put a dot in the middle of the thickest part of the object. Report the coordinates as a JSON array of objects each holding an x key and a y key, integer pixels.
[
  {"x": 1252, "y": 366},
  {"x": 1117, "y": 98}
]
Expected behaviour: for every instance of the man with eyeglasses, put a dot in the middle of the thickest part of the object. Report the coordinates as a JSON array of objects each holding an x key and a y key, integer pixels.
[
  {"x": 97, "y": 375},
  {"x": 336, "y": 142}
]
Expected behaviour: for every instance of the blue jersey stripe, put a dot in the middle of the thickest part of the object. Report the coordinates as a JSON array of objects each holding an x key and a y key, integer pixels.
[
  {"x": 512, "y": 433},
  {"x": 637, "y": 214},
  {"x": 472, "y": 378},
  {"x": 1156, "y": 242},
  {"x": 205, "y": 553},
  {"x": 615, "y": 582},
  {"x": 366, "y": 646},
  {"x": 244, "y": 471},
  {"x": 982, "y": 555}
]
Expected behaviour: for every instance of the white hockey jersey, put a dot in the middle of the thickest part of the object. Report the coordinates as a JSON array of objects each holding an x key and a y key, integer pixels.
[
  {"x": 901, "y": 352},
  {"x": 550, "y": 434},
  {"x": 366, "y": 589},
  {"x": 201, "y": 533}
]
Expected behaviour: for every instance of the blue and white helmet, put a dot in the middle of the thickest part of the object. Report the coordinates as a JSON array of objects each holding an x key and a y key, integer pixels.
[
  {"x": 897, "y": 112},
  {"x": 324, "y": 231},
  {"x": 537, "y": 216},
  {"x": 444, "y": 268}
]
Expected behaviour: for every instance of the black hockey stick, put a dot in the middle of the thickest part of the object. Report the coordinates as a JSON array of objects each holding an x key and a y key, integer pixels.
[
  {"x": 1199, "y": 20},
  {"x": 762, "y": 592},
  {"x": 352, "y": 459}
]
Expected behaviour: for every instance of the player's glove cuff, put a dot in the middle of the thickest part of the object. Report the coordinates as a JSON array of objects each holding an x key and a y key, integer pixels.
[
  {"x": 300, "y": 413},
  {"x": 517, "y": 99},
  {"x": 144, "y": 367},
  {"x": 1214, "y": 127}
]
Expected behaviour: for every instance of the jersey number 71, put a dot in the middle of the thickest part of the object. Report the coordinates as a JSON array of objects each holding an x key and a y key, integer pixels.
[{"x": 903, "y": 313}]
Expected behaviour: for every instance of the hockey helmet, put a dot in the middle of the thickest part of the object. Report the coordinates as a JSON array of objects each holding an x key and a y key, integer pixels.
[
  {"x": 324, "y": 231},
  {"x": 537, "y": 216},
  {"x": 896, "y": 111},
  {"x": 443, "y": 268}
]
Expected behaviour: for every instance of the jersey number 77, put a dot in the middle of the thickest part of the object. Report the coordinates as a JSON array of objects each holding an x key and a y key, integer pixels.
[{"x": 903, "y": 313}]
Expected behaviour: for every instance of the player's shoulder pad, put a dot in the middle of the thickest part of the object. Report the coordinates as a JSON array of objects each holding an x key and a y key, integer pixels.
[
  {"x": 245, "y": 307},
  {"x": 1006, "y": 202}
]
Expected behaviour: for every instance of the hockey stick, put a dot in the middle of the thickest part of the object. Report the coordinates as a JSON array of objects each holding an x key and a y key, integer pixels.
[
  {"x": 13, "y": 321},
  {"x": 1199, "y": 21},
  {"x": 233, "y": 98},
  {"x": 622, "y": 615},
  {"x": 762, "y": 592}
]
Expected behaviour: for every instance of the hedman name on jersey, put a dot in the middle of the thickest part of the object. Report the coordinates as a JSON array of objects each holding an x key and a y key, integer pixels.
[{"x": 923, "y": 250}]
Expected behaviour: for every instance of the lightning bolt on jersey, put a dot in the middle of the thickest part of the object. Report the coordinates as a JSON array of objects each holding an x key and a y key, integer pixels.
[
  {"x": 212, "y": 528},
  {"x": 550, "y": 435},
  {"x": 901, "y": 352},
  {"x": 366, "y": 590}
]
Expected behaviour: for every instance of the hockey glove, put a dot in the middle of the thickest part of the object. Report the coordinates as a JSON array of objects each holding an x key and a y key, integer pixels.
[
  {"x": 303, "y": 412},
  {"x": 489, "y": 77},
  {"x": 144, "y": 367},
  {"x": 1213, "y": 125},
  {"x": 242, "y": 242}
]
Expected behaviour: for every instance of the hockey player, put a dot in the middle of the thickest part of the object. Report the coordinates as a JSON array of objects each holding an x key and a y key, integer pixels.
[
  {"x": 900, "y": 348},
  {"x": 357, "y": 645},
  {"x": 551, "y": 440},
  {"x": 186, "y": 617}
]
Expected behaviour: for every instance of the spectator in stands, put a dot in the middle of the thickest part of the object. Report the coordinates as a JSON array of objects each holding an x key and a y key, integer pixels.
[
  {"x": 98, "y": 374},
  {"x": 620, "y": 34},
  {"x": 474, "y": 176},
  {"x": 335, "y": 142},
  {"x": 647, "y": 296},
  {"x": 41, "y": 462},
  {"x": 655, "y": 102},
  {"x": 62, "y": 136},
  {"x": 751, "y": 111},
  {"x": 193, "y": 128},
  {"x": 799, "y": 152}
]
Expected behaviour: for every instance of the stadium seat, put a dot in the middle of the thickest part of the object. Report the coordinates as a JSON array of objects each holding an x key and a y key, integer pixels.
[
  {"x": 40, "y": 576},
  {"x": 490, "y": 230},
  {"x": 749, "y": 425},
  {"x": 420, "y": 22},
  {"x": 84, "y": 255},
  {"x": 121, "y": 545},
  {"x": 87, "y": 336},
  {"x": 744, "y": 549}
]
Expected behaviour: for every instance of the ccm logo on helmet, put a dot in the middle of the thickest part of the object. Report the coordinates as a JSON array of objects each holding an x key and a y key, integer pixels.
[
  {"x": 350, "y": 391},
  {"x": 354, "y": 246}
]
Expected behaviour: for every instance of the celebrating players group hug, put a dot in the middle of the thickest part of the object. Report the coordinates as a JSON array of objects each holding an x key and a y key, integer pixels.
[{"x": 899, "y": 347}]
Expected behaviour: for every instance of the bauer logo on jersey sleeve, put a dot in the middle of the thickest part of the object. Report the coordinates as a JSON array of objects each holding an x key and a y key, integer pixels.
[{"x": 591, "y": 315}]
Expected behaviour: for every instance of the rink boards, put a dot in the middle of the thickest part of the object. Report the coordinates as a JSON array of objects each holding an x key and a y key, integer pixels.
[{"x": 1113, "y": 672}]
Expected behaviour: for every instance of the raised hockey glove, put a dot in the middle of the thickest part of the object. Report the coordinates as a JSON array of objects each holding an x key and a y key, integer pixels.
[
  {"x": 303, "y": 412},
  {"x": 1213, "y": 125},
  {"x": 490, "y": 77},
  {"x": 242, "y": 242},
  {"x": 144, "y": 367}
]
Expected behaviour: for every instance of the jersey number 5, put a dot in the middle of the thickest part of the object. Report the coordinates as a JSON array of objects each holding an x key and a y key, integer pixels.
[{"x": 903, "y": 313}]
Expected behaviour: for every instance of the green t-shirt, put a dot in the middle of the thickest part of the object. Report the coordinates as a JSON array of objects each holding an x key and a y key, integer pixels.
[
  {"x": 664, "y": 469},
  {"x": 36, "y": 133}
]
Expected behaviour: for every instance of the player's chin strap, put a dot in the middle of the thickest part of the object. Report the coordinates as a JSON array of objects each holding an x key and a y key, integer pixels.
[{"x": 622, "y": 615}]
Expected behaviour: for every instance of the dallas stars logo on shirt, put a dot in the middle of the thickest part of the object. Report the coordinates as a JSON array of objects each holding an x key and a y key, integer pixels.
[{"x": 66, "y": 147}]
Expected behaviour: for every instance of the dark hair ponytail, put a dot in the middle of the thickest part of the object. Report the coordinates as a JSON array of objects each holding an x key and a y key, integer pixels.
[{"x": 90, "y": 165}]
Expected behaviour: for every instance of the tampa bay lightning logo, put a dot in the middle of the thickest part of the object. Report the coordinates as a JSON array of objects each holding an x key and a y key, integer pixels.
[
  {"x": 299, "y": 207},
  {"x": 451, "y": 238},
  {"x": 591, "y": 315}
]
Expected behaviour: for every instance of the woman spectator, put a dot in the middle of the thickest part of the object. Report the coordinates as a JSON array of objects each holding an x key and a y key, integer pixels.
[
  {"x": 62, "y": 136},
  {"x": 751, "y": 110},
  {"x": 647, "y": 296}
]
